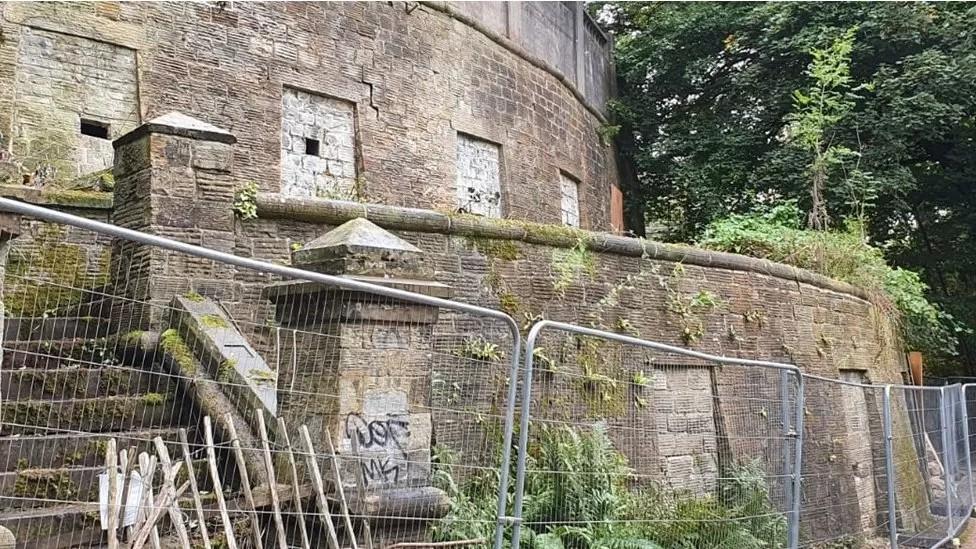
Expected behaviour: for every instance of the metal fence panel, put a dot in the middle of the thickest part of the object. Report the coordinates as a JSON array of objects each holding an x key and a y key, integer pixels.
[
  {"x": 919, "y": 439},
  {"x": 629, "y": 441},
  {"x": 844, "y": 489},
  {"x": 124, "y": 338}
]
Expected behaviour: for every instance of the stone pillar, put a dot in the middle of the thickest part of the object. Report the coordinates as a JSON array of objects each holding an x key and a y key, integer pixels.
[
  {"x": 173, "y": 178},
  {"x": 359, "y": 364}
]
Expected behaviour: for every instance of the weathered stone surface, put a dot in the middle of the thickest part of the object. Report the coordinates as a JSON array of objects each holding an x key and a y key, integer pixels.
[{"x": 359, "y": 247}]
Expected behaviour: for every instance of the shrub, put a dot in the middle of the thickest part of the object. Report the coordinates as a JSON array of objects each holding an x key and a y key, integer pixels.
[
  {"x": 776, "y": 234},
  {"x": 581, "y": 493}
]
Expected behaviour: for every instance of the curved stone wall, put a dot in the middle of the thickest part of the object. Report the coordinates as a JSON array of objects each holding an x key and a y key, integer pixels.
[{"x": 387, "y": 89}]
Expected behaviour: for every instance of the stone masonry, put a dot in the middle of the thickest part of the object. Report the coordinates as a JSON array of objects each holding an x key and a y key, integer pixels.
[
  {"x": 61, "y": 82},
  {"x": 415, "y": 76}
]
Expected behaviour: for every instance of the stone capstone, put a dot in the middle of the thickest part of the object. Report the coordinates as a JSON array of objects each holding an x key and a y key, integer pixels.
[{"x": 360, "y": 247}]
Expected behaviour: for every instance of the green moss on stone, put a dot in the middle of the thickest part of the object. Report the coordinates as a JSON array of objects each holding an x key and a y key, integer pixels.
[
  {"x": 52, "y": 275},
  {"x": 154, "y": 399},
  {"x": 77, "y": 198},
  {"x": 509, "y": 303},
  {"x": 194, "y": 297},
  {"x": 505, "y": 250},
  {"x": 132, "y": 338},
  {"x": 44, "y": 484},
  {"x": 226, "y": 370},
  {"x": 213, "y": 321},
  {"x": 176, "y": 348}
]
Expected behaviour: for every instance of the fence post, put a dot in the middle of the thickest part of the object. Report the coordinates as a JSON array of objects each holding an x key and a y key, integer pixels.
[
  {"x": 965, "y": 435},
  {"x": 889, "y": 466},
  {"x": 797, "y": 476},
  {"x": 784, "y": 389},
  {"x": 946, "y": 467}
]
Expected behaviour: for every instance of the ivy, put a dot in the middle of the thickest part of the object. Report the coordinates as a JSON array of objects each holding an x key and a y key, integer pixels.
[{"x": 246, "y": 201}]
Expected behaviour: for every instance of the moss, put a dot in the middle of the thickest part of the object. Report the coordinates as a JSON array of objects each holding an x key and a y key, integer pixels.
[
  {"x": 263, "y": 376},
  {"x": 225, "y": 371},
  {"x": 44, "y": 484},
  {"x": 102, "y": 180},
  {"x": 509, "y": 303},
  {"x": 194, "y": 297},
  {"x": 77, "y": 198},
  {"x": 154, "y": 399},
  {"x": 213, "y": 321},
  {"x": 505, "y": 250},
  {"x": 100, "y": 446},
  {"x": 132, "y": 338},
  {"x": 176, "y": 348}
]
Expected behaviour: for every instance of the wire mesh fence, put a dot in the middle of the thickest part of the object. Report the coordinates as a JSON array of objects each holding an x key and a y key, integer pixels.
[
  {"x": 167, "y": 352},
  {"x": 247, "y": 404},
  {"x": 625, "y": 442},
  {"x": 844, "y": 496}
]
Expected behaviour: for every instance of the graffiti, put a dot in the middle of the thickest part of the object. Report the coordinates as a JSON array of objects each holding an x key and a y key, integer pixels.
[{"x": 384, "y": 441}]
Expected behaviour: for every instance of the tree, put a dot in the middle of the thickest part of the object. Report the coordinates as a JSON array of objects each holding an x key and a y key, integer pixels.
[{"x": 708, "y": 94}]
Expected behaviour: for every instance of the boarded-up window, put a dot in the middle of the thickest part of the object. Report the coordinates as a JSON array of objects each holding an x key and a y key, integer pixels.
[
  {"x": 318, "y": 154},
  {"x": 616, "y": 209},
  {"x": 569, "y": 202},
  {"x": 478, "y": 176}
]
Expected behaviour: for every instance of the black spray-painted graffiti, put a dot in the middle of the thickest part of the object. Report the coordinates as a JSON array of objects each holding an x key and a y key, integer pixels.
[{"x": 385, "y": 440}]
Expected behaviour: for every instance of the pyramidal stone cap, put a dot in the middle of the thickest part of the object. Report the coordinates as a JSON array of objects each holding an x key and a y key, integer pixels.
[
  {"x": 359, "y": 247},
  {"x": 180, "y": 125}
]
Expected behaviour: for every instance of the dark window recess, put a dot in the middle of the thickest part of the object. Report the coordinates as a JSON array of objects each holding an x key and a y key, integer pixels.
[
  {"x": 94, "y": 128},
  {"x": 311, "y": 146}
]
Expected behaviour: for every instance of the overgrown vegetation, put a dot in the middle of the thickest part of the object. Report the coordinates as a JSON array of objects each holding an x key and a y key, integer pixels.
[
  {"x": 246, "y": 201},
  {"x": 860, "y": 110},
  {"x": 572, "y": 265},
  {"x": 581, "y": 493},
  {"x": 776, "y": 234}
]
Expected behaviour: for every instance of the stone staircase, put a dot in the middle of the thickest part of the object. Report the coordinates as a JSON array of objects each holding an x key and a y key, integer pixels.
[{"x": 62, "y": 399}]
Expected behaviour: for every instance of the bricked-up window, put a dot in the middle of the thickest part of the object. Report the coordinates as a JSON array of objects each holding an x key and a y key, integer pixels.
[
  {"x": 318, "y": 154},
  {"x": 94, "y": 128},
  {"x": 478, "y": 176},
  {"x": 569, "y": 200}
]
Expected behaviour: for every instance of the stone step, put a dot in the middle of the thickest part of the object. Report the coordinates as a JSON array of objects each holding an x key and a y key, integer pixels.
[
  {"x": 98, "y": 415},
  {"x": 82, "y": 382},
  {"x": 78, "y": 450},
  {"x": 55, "y": 527},
  {"x": 55, "y": 353},
  {"x": 54, "y": 327},
  {"x": 46, "y": 487}
]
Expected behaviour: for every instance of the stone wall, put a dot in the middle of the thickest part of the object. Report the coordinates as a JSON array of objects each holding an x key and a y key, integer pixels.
[{"x": 413, "y": 75}]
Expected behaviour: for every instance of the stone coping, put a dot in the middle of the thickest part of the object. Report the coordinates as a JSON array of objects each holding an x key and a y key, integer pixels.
[
  {"x": 336, "y": 212},
  {"x": 66, "y": 198}
]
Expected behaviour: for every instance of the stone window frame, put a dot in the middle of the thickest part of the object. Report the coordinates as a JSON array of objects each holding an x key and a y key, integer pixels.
[
  {"x": 567, "y": 174},
  {"x": 357, "y": 129},
  {"x": 481, "y": 134}
]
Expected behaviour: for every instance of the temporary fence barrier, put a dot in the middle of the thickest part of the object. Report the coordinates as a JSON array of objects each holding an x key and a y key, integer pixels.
[{"x": 272, "y": 406}]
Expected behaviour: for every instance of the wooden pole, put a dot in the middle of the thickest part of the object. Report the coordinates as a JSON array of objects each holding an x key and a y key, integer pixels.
[
  {"x": 272, "y": 488},
  {"x": 361, "y": 490},
  {"x": 295, "y": 484},
  {"x": 343, "y": 506},
  {"x": 313, "y": 469},
  {"x": 252, "y": 513},
  {"x": 197, "y": 502},
  {"x": 218, "y": 488},
  {"x": 169, "y": 483},
  {"x": 113, "y": 488}
]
